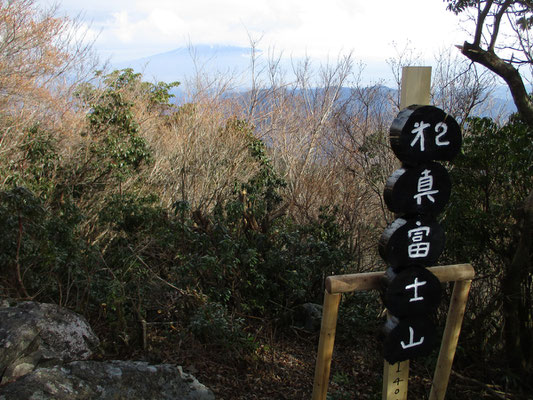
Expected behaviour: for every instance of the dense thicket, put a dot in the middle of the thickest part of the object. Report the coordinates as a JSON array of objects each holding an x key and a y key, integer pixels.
[{"x": 491, "y": 178}]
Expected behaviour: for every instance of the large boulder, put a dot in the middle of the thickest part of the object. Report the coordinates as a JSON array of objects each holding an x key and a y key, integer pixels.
[
  {"x": 44, "y": 352},
  {"x": 308, "y": 317},
  {"x": 33, "y": 334},
  {"x": 117, "y": 380}
]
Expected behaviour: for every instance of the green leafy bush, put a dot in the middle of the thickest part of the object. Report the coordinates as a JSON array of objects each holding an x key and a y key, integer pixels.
[
  {"x": 213, "y": 326},
  {"x": 491, "y": 179},
  {"x": 42, "y": 254}
]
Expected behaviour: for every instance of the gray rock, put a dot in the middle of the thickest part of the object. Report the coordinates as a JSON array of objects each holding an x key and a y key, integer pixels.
[
  {"x": 128, "y": 380},
  {"x": 43, "y": 355},
  {"x": 308, "y": 316},
  {"x": 33, "y": 334}
]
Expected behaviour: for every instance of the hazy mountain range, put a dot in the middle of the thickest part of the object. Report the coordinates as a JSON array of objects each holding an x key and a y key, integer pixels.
[
  {"x": 232, "y": 61},
  {"x": 183, "y": 62}
]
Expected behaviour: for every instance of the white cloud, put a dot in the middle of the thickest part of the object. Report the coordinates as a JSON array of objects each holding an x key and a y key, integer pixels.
[{"x": 312, "y": 27}]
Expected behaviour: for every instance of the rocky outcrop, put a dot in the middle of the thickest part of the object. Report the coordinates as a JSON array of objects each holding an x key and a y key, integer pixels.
[
  {"x": 113, "y": 380},
  {"x": 45, "y": 351},
  {"x": 34, "y": 334}
]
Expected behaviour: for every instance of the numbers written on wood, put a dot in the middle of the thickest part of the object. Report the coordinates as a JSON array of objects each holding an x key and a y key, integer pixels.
[
  {"x": 424, "y": 133},
  {"x": 398, "y": 379}
]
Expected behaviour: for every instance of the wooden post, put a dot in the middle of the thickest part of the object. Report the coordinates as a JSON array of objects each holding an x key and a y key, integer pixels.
[
  {"x": 398, "y": 375},
  {"x": 450, "y": 338},
  {"x": 416, "y": 84},
  {"x": 325, "y": 344},
  {"x": 145, "y": 334}
]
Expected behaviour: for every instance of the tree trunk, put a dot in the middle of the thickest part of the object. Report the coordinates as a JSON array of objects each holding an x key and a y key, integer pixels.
[{"x": 517, "y": 295}]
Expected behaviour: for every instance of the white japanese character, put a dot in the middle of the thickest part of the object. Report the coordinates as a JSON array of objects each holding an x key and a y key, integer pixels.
[
  {"x": 417, "y": 248},
  {"x": 425, "y": 184},
  {"x": 415, "y": 286},
  {"x": 411, "y": 343},
  {"x": 419, "y": 134},
  {"x": 441, "y": 126}
]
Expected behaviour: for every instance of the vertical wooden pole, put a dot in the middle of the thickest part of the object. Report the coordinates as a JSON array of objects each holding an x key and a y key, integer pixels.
[
  {"x": 398, "y": 377},
  {"x": 416, "y": 85},
  {"x": 145, "y": 334},
  {"x": 450, "y": 338},
  {"x": 330, "y": 311}
]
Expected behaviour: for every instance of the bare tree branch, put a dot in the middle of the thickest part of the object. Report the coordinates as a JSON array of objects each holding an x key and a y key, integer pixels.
[{"x": 497, "y": 20}]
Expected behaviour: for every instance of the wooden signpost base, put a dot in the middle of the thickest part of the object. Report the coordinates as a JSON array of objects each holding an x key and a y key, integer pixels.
[
  {"x": 395, "y": 380},
  {"x": 395, "y": 376}
]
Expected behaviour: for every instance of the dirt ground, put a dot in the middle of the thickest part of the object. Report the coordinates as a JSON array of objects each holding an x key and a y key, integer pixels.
[{"x": 281, "y": 366}]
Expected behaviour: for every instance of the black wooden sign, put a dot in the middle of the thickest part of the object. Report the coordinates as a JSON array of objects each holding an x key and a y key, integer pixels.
[
  {"x": 417, "y": 240},
  {"x": 408, "y": 338},
  {"x": 424, "y": 133},
  {"x": 412, "y": 292},
  {"x": 424, "y": 189},
  {"x": 419, "y": 136}
]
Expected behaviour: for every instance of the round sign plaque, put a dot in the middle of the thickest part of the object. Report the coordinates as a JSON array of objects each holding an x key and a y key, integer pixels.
[
  {"x": 412, "y": 292},
  {"x": 424, "y": 133},
  {"x": 424, "y": 189},
  {"x": 408, "y": 338},
  {"x": 412, "y": 241}
]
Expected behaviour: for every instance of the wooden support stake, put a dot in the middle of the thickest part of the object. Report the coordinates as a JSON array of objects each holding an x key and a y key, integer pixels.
[
  {"x": 325, "y": 344},
  {"x": 145, "y": 334},
  {"x": 450, "y": 338}
]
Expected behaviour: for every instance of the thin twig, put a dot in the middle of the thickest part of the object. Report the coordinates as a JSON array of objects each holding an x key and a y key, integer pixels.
[{"x": 497, "y": 392}]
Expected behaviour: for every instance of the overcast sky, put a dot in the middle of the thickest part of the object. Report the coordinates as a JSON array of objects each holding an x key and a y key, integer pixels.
[{"x": 131, "y": 29}]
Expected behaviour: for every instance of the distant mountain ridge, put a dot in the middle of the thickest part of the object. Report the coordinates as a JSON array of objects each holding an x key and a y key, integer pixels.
[
  {"x": 183, "y": 62},
  {"x": 234, "y": 61}
]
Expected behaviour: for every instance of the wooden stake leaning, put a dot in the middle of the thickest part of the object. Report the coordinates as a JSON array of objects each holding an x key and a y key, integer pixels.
[
  {"x": 325, "y": 344},
  {"x": 461, "y": 274},
  {"x": 450, "y": 338}
]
